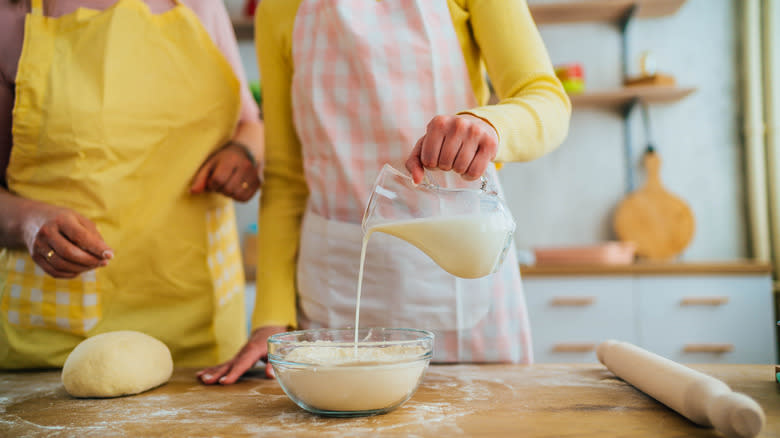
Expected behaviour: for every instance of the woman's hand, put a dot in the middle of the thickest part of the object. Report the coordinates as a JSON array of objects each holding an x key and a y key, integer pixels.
[
  {"x": 255, "y": 349},
  {"x": 64, "y": 243},
  {"x": 229, "y": 171},
  {"x": 464, "y": 144}
]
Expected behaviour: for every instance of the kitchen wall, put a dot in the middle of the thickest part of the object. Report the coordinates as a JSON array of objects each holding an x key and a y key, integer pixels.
[
  {"x": 568, "y": 197},
  {"x": 247, "y": 213}
]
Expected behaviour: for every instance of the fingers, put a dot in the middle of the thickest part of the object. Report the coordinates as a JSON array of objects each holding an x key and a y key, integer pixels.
[
  {"x": 458, "y": 131},
  {"x": 414, "y": 163},
  {"x": 84, "y": 234},
  {"x": 478, "y": 165},
  {"x": 99, "y": 247},
  {"x": 464, "y": 143},
  {"x": 465, "y": 156},
  {"x": 229, "y": 172},
  {"x": 42, "y": 257},
  {"x": 432, "y": 144},
  {"x": 220, "y": 176},
  {"x": 242, "y": 184},
  {"x": 68, "y": 244},
  {"x": 211, "y": 375},
  {"x": 248, "y": 356},
  {"x": 254, "y": 350},
  {"x": 202, "y": 177}
]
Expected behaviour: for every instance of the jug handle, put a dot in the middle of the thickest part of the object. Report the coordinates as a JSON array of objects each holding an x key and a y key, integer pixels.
[{"x": 484, "y": 184}]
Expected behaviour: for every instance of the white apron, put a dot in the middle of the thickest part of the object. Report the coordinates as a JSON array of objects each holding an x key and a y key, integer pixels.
[{"x": 369, "y": 75}]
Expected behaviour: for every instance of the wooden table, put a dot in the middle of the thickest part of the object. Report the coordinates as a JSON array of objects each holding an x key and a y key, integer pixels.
[{"x": 456, "y": 400}]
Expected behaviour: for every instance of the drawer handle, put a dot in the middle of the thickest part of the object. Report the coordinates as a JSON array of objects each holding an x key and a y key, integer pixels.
[
  {"x": 708, "y": 348},
  {"x": 572, "y": 301},
  {"x": 704, "y": 301},
  {"x": 574, "y": 347}
]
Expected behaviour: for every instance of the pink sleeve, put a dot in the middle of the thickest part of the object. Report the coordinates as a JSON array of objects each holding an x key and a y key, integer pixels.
[{"x": 215, "y": 19}]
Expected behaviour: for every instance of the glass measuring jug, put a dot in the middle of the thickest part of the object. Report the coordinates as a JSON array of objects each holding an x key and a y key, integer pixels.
[{"x": 465, "y": 228}]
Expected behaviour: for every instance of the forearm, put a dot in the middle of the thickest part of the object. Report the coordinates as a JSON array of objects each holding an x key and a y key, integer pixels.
[
  {"x": 530, "y": 122},
  {"x": 532, "y": 117},
  {"x": 279, "y": 234}
]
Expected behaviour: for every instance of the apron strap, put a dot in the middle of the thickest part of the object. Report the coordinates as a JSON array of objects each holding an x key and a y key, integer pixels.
[{"x": 37, "y": 7}]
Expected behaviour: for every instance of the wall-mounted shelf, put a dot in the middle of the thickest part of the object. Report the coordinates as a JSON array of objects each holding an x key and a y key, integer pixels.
[
  {"x": 622, "y": 97},
  {"x": 740, "y": 267},
  {"x": 561, "y": 12},
  {"x": 601, "y": 10}
]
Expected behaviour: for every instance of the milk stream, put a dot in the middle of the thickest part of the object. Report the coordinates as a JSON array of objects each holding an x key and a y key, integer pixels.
[{"x": 468, "y": 246}]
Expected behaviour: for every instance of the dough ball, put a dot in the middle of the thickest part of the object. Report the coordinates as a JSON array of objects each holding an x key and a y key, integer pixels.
[{"x": 116, "y": 363}]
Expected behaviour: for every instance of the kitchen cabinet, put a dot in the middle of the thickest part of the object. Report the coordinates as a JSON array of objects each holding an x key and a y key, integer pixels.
[
  {"x": 452, "y": 401},
  {"x": 570, "y": 315},
  {"x": 714, "y": 314},
  {"x": 707, "y": 318}
]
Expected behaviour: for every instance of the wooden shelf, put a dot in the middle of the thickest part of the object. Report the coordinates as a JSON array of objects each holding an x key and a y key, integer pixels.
[
  {"x": 621, "y": 97},
  {"x": 714, "y": 268},
  {"x": 601, "y": 10},
  {"x": 582, "y": 11}
]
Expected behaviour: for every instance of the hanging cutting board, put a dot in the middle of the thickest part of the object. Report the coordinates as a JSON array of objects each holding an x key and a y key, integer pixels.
[{"x": 659, "y": 223}]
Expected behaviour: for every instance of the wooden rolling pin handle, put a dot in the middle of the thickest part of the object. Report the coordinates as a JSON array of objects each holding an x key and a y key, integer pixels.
[{"x": 700, "y": 398}]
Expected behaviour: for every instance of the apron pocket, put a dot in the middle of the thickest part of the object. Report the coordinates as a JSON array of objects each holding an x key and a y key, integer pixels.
[{"x": 32, "y": 298}]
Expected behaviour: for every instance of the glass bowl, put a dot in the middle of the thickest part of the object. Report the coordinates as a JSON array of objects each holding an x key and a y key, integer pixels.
[{"x": 324, "y": 372}]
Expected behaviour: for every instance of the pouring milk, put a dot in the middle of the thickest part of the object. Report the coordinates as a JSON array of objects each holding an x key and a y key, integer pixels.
[{"x": 468, "y": 238}]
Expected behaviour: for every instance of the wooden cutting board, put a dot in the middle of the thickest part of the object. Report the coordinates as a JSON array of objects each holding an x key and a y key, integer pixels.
[{"x": 659, "y": 223}]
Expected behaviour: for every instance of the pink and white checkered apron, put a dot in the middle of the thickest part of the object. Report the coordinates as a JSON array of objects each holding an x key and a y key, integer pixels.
[{"x": 368, "y": 76}]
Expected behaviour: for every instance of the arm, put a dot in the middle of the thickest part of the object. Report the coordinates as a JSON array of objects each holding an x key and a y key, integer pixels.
[
  {"x": 532, "y": 117},
  {"x": 62, "y": 242},
  {"x": 284, "y": 194},
  {"x": 530, "y": 120},
  {"x": 235, "y": 170}
]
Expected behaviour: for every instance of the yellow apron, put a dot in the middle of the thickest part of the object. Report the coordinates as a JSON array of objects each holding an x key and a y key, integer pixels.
[{"x": 115, "y": 112}]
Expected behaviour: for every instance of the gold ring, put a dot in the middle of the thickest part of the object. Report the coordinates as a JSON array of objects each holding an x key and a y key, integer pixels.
[
  {"x": 49, "y": 254},
  {"x": 244, "y": 185}
]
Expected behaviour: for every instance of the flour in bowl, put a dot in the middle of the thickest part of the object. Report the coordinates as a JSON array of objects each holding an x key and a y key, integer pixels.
[
  {"x": 330, "y": 353},
  {"x": 340, "y": 380}
]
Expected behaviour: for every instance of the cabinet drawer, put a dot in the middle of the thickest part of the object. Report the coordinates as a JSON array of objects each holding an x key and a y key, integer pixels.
[
  {"x": 570, "y": 316},
  {"x": 708, "y": 319}
]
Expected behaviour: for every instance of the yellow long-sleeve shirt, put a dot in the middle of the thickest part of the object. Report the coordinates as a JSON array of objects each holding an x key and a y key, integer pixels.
[{"x": 531, "y": 119}]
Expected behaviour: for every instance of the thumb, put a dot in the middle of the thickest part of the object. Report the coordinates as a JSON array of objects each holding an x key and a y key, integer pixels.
[
  {"x": 199, "y": 183},
  {"x": 414, "y": 164},
  {"x": 88, "y": 238},
  {"x": 269, "y": 370}
]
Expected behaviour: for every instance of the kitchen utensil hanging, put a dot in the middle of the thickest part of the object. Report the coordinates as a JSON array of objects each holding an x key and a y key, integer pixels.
[{"x": 659, "y": 223}]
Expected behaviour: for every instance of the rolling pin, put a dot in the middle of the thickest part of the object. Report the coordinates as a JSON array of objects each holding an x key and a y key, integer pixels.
[{"x": 702, "y": 399}]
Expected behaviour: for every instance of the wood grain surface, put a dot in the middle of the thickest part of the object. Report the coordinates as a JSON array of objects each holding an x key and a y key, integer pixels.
[
  {"x": 650, "y": 268},
  {"x": 457, "y": 400}
]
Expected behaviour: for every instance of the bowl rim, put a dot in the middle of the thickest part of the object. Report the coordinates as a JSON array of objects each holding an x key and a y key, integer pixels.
[{"x": 427, "y": 335}]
